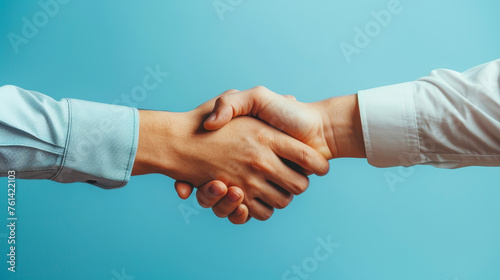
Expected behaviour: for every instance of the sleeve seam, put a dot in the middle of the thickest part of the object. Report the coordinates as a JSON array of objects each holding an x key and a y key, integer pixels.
[
  {"x": 465, "y": 155},
  {"x": 131, "y": 160},
  {"x": 68, "y": 136},
  {"x": 412, "y": 99}
]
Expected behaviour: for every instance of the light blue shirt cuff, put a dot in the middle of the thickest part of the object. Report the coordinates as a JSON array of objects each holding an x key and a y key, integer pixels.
[{"x": 101, "y": 144}]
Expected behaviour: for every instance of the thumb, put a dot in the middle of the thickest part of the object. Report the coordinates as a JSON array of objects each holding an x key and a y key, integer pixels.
[
  {"x": 183, "y": 189},
  {"x": 247, "y": 102},
  {"x": 227, "y": 107}
]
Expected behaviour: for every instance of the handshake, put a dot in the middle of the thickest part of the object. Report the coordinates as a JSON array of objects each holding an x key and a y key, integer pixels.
[{"x": 250, "y": 151}]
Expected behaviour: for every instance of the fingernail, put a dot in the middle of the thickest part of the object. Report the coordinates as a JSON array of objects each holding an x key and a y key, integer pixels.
[
  {"x": 233, "y": 196},
  {"x": 212, "y": 117},
  {"x": 215, "y": 190}
]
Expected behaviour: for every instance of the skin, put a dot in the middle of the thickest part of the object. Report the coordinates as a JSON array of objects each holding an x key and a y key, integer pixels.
[
  {"x": 246, "y": 153},
  {"x": 332, "y": 126}
]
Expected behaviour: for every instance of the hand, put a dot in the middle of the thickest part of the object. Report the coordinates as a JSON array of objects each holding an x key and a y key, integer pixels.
[
  {"x": 224, "y": 201},
  {"x": 245, "y": 153},
  {"x": 331, "y": 126},
  {"x": 300, "y": 120}
]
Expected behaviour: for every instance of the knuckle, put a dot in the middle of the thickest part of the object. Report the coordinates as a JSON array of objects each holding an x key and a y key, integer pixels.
[
  {"x": 229, "y": 91},
  {"x": 301, "y": 185},
  {"x": 266, "y": 168},
  {"x": 325, "y": 168},
  {"x": 284, "y": 202},
  {"x": 280, "y": 204},
  {"x": 261, "y": 89},
  {"x": 250, "y": 188},
  {"x": 265, "y": 215},
  {"x": 255, "y": 163},
  {"x": 219, "y": 213},
  {"x": 305, "y": 156},
  {"x": 264, "y": 136},
  {"x": 202, "y": 202},
  {"x": 261, "y": 165},
  {"x": 236, "y": 221},
  {"x": 222, "y": 100}
]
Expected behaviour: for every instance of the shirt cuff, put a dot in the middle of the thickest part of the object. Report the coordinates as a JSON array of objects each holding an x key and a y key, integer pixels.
[
  {"x": 101, "y": 144},
  {"x": 389, "y": 125}
]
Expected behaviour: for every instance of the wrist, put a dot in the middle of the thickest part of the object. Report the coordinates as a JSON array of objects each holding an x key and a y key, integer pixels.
[
  {"x": 342, "y": 126},
  {"x": 155, "y": 149}
]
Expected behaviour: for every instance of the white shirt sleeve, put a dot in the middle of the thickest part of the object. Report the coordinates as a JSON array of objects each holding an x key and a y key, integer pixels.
[{"x": 446, "y": 119}]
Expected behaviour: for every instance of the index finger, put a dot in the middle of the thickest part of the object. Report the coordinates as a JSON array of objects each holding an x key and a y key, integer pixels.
[{"x": 303, "y": 155}]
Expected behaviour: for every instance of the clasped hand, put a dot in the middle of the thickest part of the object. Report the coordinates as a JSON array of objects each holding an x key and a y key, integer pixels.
[{"x": 259, "y": 143}]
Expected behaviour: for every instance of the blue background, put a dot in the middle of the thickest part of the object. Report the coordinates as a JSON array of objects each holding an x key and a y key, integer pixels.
[{"x": 428, "y": 224}]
